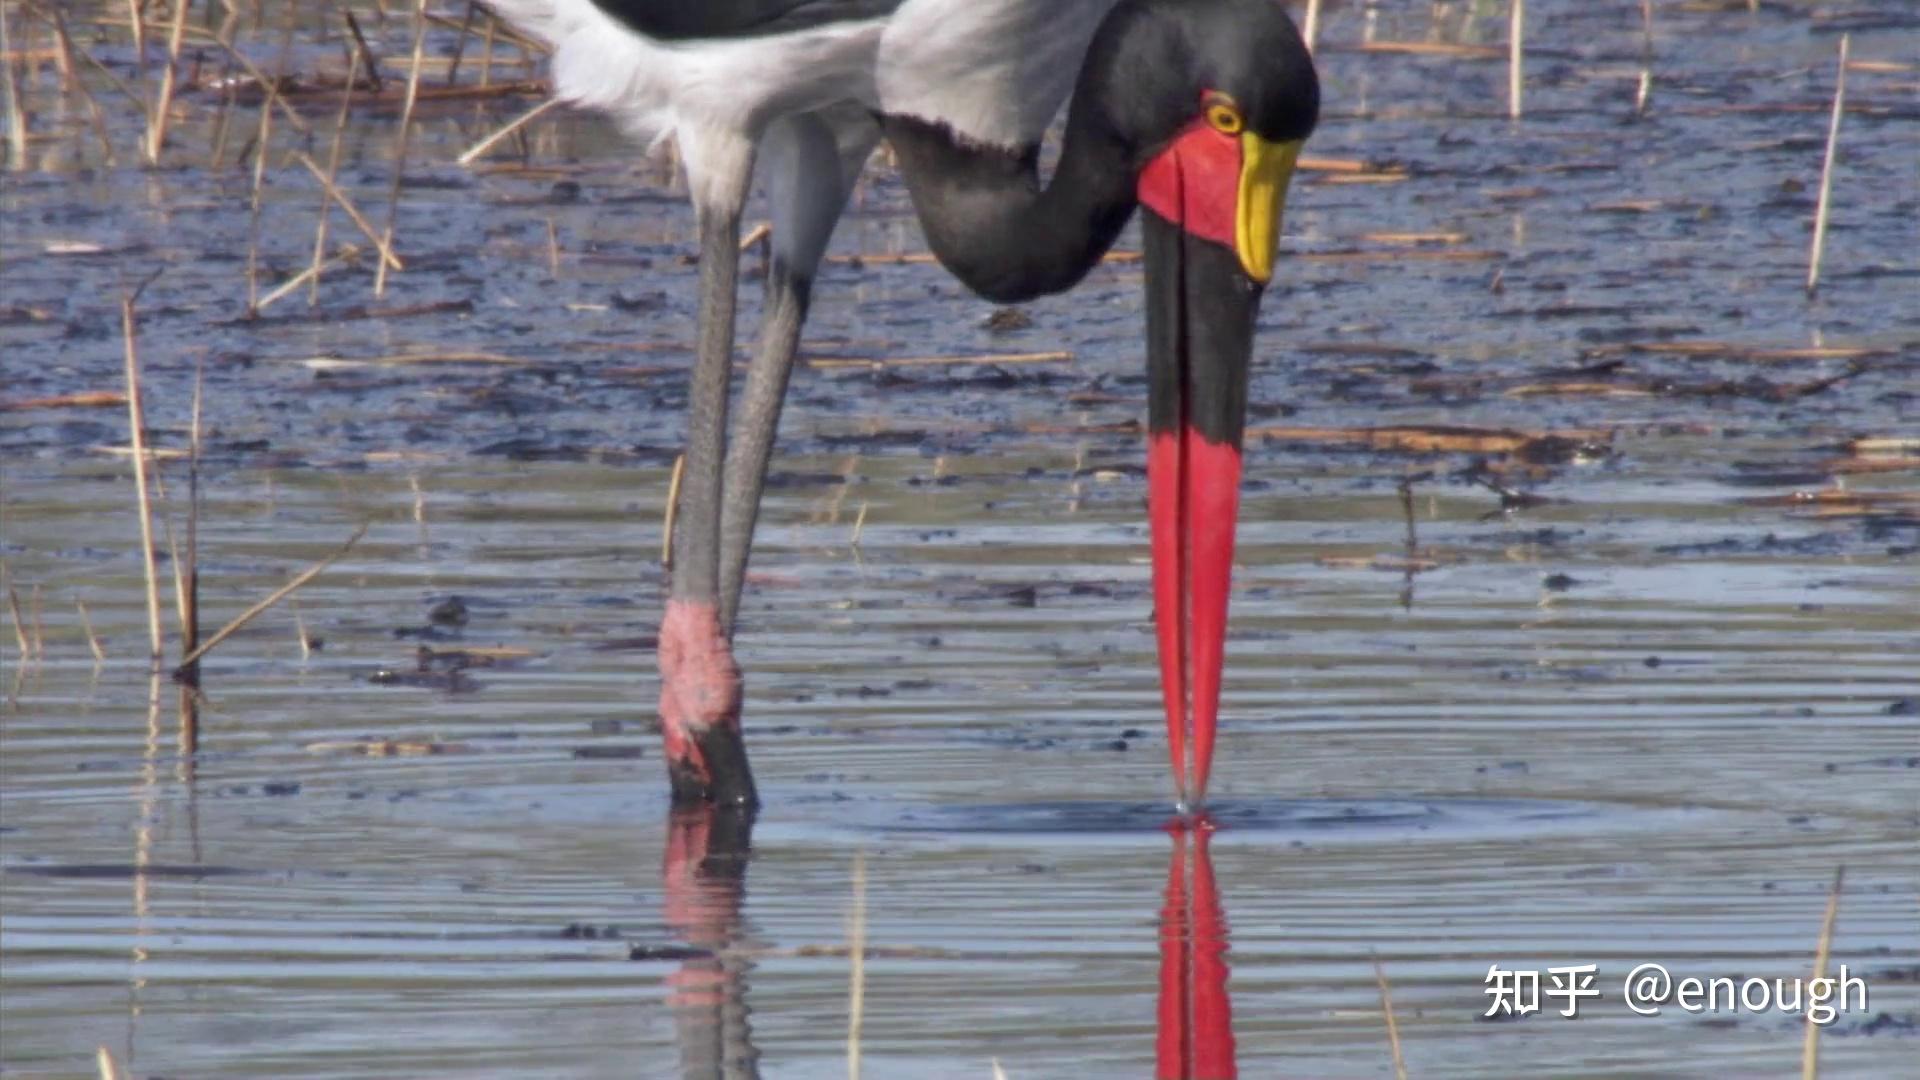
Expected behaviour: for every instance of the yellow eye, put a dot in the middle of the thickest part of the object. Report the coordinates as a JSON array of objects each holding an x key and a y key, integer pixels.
[{"x": 1224, "y": 117}]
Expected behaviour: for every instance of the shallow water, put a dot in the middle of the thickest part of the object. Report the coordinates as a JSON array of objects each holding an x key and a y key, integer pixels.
[{"x": 1643, "y": 720}]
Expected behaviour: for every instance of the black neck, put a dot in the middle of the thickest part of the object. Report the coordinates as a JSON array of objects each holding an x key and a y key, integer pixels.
[{"x": 991, "y": 223}]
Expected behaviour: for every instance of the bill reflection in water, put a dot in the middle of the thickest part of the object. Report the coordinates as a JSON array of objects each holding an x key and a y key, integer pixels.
[{"x": 1195, "y": 1017}]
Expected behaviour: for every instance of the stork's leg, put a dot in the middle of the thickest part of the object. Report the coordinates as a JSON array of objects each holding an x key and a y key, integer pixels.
[
  {"x": 699, "y": 681},
  {"x": 810, "y": 161}
]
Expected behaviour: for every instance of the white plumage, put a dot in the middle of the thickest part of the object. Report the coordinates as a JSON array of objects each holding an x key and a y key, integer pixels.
[
  {"x": 716, "y": 96},
  {"x": 994, "y": 72}
]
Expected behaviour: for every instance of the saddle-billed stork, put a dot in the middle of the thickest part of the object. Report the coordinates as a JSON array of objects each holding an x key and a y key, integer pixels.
[{"x": 1194, "y": 110}]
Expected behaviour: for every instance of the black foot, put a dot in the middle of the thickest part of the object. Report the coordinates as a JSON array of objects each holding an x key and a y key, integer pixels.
[{"x": 729, "y": 779}]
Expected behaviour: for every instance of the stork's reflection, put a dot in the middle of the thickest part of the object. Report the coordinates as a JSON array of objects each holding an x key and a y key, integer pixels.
[
  {"x": 704, "y": 877},
  {"x": 704, "y": 886},
  {"x": 1195, "y": 1030}
]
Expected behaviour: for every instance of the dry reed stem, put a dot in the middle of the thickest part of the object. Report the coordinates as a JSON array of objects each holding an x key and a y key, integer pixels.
[
  {"x": 80, "y": 399},
  {"x": 139, "y": 31},
  {"x": 1434, "y": 48},
  {"x": 553, "y": 248},
  {"x": 157, "y": 119},
  {"x": 1333, "y": 165},
  {"x": 1414, "y": 237},
  {"x": 93, "y": 639},
  {"x": 1311, "y": 30},
  {"x": 273, "y": 598},
  {"x": 261, "y": 138},
  {"x": 381, "y": 244},
  {"x": 859, "y": 523},
  {"x": 486, "y": 51},
  {"x": 19, "y": 626},
  {"x": 673, "y": 507},
  {"x": 335, "y": 363},
  {"x": 346, "y": 254},
  {"x": 1516, "y": 33},
  {"x": 109, "y": 1068},
  {"x": 400, "y": 151},
  {"x": 1393, "y": 1026},
  {"x": 190, "y": 603},
  {"x": 474, "y": 152},
  {"x": 1646, "y": 59},
  {"x": 857, "y": 965},
  {"x": 136, "y": 419},
  {"x": 174, "y": 562},
  {"x": 833, "y": 362},
  {"x": 95, "y": 118},
  {"x": 1810, "y": 1043},
  {"x": 318, "y": 265},
  {"x": 755, "y": 235},
  {"x": 16, "y": 114},
  {"x": 39, "y": 634},
  {"x": 300, "y": 629},
  {"x": 1826, "y": 171},
  {"x": 63, "y": 52}
]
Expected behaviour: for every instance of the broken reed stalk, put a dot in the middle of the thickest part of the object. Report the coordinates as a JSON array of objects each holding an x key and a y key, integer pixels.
[
  {"x": 93, "y": 639},
  {"x": 273, "y": 598},
  {"x": 157, "y": 119},
  {"x": 1312, "y": 28},
  {"x": 109, "y": 1068},
  {"x": 137, "y": 421},
  {"x": 363, "y": 54},
  {"x": 400, "y": 151},
  {"x": 673, "y": 506},
  {"x": 1393, "y": 1026},
  {"x": 1810, "y": 1043},
  {"x": 474, "y": 152},
  {"x": 857, "y": 964},
  {"x": 387, "y": 257},
  {"x": 16, "y": 113},
  {"x": 1516, "y": 30},
  {"x": 460, "y": 44},
  {"x": 1826, "y": 171}
]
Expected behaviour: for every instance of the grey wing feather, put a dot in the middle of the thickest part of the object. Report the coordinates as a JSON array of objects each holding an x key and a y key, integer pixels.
[{"x": 685, "y": 20}]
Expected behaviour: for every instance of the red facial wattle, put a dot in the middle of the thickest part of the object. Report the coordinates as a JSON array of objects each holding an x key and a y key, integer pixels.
[{"x": 1195, "y": 182}]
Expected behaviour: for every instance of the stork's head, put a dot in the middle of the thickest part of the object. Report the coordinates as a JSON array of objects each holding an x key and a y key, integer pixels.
[{"x": 1211, "y": 99}]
